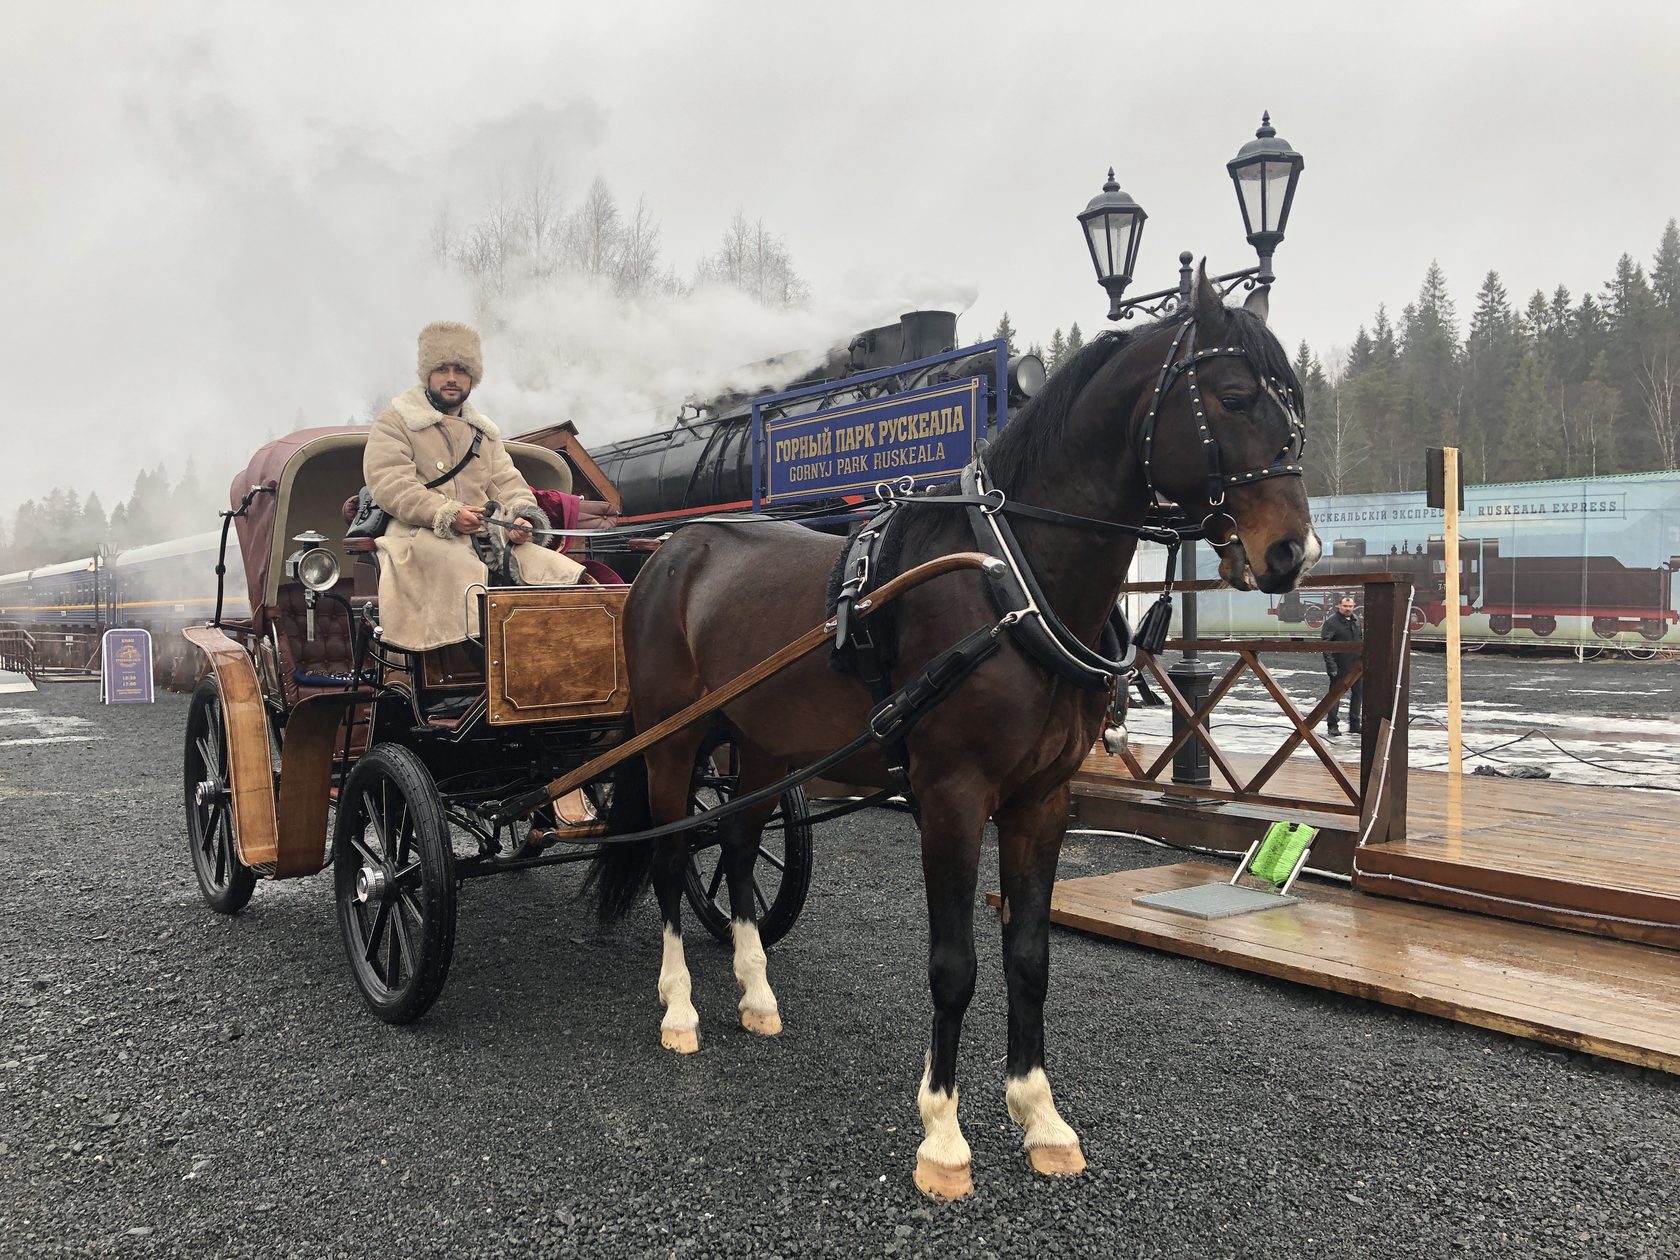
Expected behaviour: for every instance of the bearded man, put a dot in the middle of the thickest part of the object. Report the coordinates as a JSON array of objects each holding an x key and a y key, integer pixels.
[{"x": 426, "y": 555}]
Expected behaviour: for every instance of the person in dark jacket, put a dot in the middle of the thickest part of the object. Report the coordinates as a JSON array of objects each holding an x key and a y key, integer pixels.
[{"x": 1342, "y": 626}]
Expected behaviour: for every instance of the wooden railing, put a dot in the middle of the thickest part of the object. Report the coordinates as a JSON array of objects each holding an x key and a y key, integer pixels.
[
  {"x": 1379, "y": 796},
  {"x": 17, "y": 653}
]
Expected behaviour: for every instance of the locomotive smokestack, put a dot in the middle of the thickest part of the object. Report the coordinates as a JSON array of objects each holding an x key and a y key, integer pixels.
[{"x": 927, "y": 333}]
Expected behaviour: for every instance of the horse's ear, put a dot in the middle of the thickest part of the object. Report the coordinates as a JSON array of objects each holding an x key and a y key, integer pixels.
[
  {"x": 1260, "y": 302},
  {"x": 1204, "y": 298}
]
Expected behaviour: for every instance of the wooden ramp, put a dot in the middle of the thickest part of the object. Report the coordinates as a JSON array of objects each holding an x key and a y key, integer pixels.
[
  {"x": 1607, "y": 997},
  {"x": 1594, "y": 859},
  {"x": 1600, "y": 860}
]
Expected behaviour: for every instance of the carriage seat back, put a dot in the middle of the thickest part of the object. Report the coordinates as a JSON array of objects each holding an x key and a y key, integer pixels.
[{"x": 306, "y": 664}]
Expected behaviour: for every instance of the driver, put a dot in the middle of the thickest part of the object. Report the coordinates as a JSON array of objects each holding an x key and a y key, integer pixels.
[{"x": 426, "y": 555}]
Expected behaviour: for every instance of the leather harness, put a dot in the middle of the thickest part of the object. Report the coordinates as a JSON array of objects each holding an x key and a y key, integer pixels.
[{"x": 1014, "y": 589}]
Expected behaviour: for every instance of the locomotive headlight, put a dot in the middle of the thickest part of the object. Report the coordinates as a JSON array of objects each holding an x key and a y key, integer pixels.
[
  {"x": 316, "y": 568},
  {"x": 1026, "y": 376}
]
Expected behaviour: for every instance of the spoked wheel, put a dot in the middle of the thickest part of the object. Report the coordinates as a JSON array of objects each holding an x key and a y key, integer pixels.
[
  {"x": 223, "y": 879},
  {"x": 782, "y": 873},
  {"x": 394, "y": 880}
]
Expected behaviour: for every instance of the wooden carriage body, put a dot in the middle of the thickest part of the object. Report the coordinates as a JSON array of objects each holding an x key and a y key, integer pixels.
[{"x": 551, "y": 660}]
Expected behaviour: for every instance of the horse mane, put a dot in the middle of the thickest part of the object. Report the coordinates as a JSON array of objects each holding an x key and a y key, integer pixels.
[{"x": 1035, "y": 434}]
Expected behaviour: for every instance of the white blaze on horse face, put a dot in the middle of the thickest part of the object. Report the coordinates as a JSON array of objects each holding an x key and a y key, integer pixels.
[
  {"x": 680, "y": 1028},
  {"x": 944, "y": 1144},
  {"x": 1032, "y": 1107},
  {"x": 758, "y": 1003}
]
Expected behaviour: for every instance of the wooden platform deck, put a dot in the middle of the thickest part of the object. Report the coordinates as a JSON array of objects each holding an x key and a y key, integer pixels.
[
  {"x": 1599, "y": 860},
  {"x": 1608, "y": 997}
]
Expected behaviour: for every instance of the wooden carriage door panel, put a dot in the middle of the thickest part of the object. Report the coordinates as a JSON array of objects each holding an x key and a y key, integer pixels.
[{"x": 556, "y": 654}]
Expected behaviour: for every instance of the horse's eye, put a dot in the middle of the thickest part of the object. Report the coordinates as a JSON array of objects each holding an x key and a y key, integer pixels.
[{"x": 1232, "y": 403}]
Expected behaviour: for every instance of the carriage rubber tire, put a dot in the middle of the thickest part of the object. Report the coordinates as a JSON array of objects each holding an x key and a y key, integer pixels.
[
  {"x": 229, "y": 892},
  {"x": 797, "y": 862},
  {"x": 431, "y": 943}
]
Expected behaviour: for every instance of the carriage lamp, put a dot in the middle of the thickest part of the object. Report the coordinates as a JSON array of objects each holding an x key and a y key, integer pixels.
[
  {"x": 317, "y": 569},
  {"x": 1265, "y": 171},
  {"x": 1113, "y": 225}
]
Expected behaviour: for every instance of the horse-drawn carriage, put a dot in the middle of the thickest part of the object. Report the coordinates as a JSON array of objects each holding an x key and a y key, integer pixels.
[
  {"x": 726, "y": 698},
  {"x": 313, "y": 743}
]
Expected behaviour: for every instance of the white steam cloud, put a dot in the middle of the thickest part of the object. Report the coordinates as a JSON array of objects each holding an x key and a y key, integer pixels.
[{"x": 210, "y": 271}]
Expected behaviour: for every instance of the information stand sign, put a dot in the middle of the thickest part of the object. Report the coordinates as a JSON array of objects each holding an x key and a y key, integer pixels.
[{"x": 125, "y": 672}]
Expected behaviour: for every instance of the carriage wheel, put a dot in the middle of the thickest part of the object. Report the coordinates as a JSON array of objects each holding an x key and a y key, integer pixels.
[
  {"x": 224, "y": 880},
  {"x": 782, "y": 873},
  {"x": 394, "y": 880}
]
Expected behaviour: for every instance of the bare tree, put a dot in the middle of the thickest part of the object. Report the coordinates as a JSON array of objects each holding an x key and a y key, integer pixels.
[
  {"x": 754, "y": 260},
  {"x": 1658, "y": 377},
  {"x": 1346, "y": 447},
  {"x": 637, "y": 268},
  {"x": 593, "y": 233}
]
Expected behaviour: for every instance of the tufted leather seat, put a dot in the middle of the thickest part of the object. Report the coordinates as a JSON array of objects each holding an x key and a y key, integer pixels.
[{"x": 329, "y": 653}]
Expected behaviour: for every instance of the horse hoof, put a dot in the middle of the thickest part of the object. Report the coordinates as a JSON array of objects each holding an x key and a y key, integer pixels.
[
  {"x": 1057, "y": 1161},
  {"x": 682, "y": 1040},
  {"x": 941, "y": 1181},
  {"x": 764, "y": 1023}
]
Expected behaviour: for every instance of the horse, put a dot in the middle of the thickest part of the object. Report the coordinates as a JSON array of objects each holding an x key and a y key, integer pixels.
[{"x": 1131, "y": 415}]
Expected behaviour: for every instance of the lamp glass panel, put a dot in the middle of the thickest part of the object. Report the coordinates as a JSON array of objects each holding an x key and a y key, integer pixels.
[
  {"x": 1251, "y": 187},
  {"x": 1277, "y": 184},
  {"x": 1096, "y": 229},
  {"x": 1120, "y": 228}
]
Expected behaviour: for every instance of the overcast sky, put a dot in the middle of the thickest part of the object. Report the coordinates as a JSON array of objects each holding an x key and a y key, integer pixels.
[{"x": 214, "y": 217}]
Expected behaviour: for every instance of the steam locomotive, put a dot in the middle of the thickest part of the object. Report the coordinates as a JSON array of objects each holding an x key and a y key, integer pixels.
[
  {"x": 1513, "y": 592},
  {"x": 706, "y": 461}
]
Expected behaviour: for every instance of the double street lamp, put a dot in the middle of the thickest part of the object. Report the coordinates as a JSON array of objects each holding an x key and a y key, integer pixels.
[{"x": 1265, "y": 172}]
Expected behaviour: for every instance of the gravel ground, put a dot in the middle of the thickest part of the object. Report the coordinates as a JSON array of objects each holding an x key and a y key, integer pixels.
[{"x": 176, "y": 1083}]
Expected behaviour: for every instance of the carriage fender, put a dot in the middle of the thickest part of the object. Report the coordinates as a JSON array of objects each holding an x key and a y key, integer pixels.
[
  {"x": 306, "y": 763},
  {"x": 250, "y": 772}
]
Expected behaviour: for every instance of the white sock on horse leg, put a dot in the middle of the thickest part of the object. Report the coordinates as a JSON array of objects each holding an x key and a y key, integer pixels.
[
  {"x": 680, "y": 1028},
  {"x": 944, "y": 1144},
  {"x": 758, "y": 1009}
]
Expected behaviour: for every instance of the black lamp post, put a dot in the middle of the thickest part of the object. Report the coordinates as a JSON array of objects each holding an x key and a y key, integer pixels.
[{"x": 1265, "y": 172}]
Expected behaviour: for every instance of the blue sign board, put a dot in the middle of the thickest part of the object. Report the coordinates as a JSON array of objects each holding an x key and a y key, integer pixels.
[
  {"x": 126, "y": 670},
  {"x": 928, "y": 434}
]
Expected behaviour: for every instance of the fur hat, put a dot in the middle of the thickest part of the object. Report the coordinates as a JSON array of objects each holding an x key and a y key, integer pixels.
[{"x": 446, "y": 342}]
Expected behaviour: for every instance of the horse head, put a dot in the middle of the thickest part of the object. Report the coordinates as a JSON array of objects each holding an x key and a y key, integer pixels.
[{"x": 1222, "y": 435}]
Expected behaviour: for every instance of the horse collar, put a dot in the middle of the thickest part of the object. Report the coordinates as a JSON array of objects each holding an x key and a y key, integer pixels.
[{"x": 1287, "y": 464}]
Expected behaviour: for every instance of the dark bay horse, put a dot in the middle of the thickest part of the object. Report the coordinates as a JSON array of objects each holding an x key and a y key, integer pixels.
[{"x": 718, "y": 599}]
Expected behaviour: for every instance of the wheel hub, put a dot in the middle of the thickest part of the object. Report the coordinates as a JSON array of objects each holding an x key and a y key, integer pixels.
[
  {"x": 211, "y": 792},
  {"x": 371, "y": 884}
]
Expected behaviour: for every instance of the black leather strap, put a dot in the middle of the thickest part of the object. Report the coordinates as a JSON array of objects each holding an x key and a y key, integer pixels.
[{"x": 435, "y": 482}]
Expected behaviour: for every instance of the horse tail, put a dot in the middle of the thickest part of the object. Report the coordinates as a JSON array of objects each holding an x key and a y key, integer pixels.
[{"x": 620, "y": 873}]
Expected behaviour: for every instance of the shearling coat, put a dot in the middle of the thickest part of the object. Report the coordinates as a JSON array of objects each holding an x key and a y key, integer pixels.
[{"x": 425, "y": 567}]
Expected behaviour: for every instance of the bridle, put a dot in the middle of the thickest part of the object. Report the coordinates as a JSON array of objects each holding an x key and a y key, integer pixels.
[{"x": 1288, "y": 461}]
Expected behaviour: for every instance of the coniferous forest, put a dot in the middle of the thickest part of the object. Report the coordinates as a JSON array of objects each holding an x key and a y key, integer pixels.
[{"x": 1555, "y": 385}]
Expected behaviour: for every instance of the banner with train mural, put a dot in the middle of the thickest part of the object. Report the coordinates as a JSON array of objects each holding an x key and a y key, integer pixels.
[{"x": 1585, "y": 561}]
